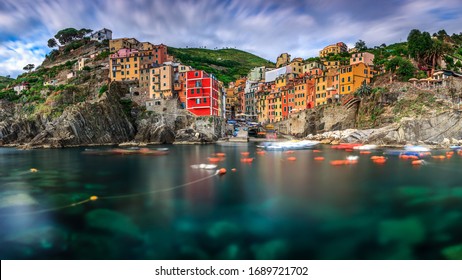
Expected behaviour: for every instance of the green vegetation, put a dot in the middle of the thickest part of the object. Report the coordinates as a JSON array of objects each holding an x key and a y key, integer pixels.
[
  {"x": 103, "y": 89},
  {"x": 226, "y": 64},
  {"x": 403, "y": 68},
  {"x": 5, "y": 82},
  {"x": 69, "y": 35}
]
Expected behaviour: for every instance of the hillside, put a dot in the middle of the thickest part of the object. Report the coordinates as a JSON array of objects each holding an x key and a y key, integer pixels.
[
  {"x": 227, "y": 64},
  {"x": 4, "y": 82}
]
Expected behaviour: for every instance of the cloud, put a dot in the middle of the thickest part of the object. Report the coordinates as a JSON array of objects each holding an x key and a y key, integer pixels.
[{"x": 264, "y": 27}]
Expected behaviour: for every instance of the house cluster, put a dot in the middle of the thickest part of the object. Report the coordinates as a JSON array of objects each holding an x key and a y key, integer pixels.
[
  {"x": 156, "y": 77},
  {"x": 271, "y": 95}
]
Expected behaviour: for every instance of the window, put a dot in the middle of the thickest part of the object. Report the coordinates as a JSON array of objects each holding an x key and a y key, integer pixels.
[
  {"x": 136, "y": 72},
  {"x": 343, "y": 89},
  {"x": 343, "y": 80},
  {"x": 113, "y": 74},
  {"x": 192, "y": 91},
  {"x": 136, "y": 65},
  {"x": 165, "y": 84},
  {"x": 365, "y": 72},
  {"x": 205, "y": 100},
  {"x": 196, "y": 74},
  {"x": 349, "y": 79},
  {"x": 348, "y": 88},
  {"x": 134, "y": 59},
  {"x": 198, "y": 90},
  {"x": 122, "y": 72},
  {"x": 164, "y": 76},
  {"x": 198, "y": 101}
]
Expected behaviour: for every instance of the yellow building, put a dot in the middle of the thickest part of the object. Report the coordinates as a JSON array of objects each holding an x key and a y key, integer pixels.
[
  {"x": 123, "y": 43},
  {"x": 353, "y": 76},
  {"x": 297, "y": 65},
  {"x": 280, "y": 82},
  {"x": 161, "y": 82},
  {"x": 307, "y": 67},
  {"x": 334, "y": 49},
  {"x": 321, "y": 93},
  {"x": 124, "y": 65},
  {"x": 331, "y": 64}
]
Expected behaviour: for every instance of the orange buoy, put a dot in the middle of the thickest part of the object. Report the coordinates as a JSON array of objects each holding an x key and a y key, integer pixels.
[
  {"x": 316, "y": 151},
  {"x": 214, "y": 160},
  {"x": 245, "y": 154},
  {"x": 234, "y": 169},
  {"x": 289, "y": 152},
  {"x": 261, "y": 153},
  {"x": 417, "y": 162},
  {"x": 222, "y": 171},
  {"x": 93, "y": 197},
  {"x": 439, "y": 157},
  {"x": 413, "y": 157},
  {"x": 448, "y": 156},
  {"x": 247, "y": 160},
  {"x": 291, "y": 158},
  {"x": 404, "y": 157},
  {"x": 380, "y": 161},
  {"x": 338, "y": 162},
  {"x": 365, "y": 152},
  {"x": 220, "y": 154},
  {"x": 450, "y": 153},
  {"x": 319, "y": 158},
  {"x": 349, "y": 150},
  {"x": 377, "y": 157}
]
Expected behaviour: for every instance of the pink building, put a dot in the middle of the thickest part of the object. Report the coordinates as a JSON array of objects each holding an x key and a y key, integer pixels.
[{"x": 364, "y": 57}]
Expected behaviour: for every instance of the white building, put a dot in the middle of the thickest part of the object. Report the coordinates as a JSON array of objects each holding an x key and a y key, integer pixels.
[
  {"x": 271, "y": 76},
  {"x": 101, "y": 35}
]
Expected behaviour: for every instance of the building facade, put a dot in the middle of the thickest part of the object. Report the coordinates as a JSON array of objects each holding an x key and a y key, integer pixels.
[{"x": 202, "y": 93}]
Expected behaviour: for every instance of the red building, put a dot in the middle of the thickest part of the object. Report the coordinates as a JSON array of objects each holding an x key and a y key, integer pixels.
[{"x": 202, "y": 93}]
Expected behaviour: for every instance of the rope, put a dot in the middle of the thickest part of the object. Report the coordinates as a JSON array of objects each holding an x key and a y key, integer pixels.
[{"x": 94, "y": 198}]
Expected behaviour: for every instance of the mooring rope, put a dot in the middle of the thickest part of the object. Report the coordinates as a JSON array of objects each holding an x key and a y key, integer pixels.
[{"x": 94, "y": 198}]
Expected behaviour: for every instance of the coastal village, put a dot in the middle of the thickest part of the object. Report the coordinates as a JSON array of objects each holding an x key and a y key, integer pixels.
[{"x": 266, "y": 95}]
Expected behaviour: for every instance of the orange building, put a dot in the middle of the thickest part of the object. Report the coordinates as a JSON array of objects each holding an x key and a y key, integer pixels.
[
  {"x": 334, "y": 49},
  {"x": 124, "y": 65},
  {"x": 353, "y": 76}
]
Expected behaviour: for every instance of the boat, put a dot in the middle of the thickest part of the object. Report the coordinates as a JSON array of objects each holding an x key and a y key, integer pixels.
[
  {"x": 346, "y": 146},
  {"x": 365, "y": 147},
  {"x": 289, "y": 145},
  {"x": 204, "y": 166},
  {"x": 411, "y": 148}
]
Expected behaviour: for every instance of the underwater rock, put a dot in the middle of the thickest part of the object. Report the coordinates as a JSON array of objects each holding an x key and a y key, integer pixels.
[
  {"x": 407, "y": 231},
  {"x": 113, "y": 222}
]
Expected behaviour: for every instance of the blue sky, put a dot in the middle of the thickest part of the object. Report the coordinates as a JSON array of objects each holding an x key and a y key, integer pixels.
[{"x": 263, "y": 27}]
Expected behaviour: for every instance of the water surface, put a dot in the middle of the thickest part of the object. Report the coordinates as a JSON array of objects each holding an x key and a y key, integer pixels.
[{"x": 270, "y": 209}]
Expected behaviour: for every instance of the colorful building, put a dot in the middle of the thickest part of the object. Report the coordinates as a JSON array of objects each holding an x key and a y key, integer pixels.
[
  {"x": 202, "y": 93},
  {"x": 364, "y": 57},
  {"x": 351, "y": 77},
  {"x": 124, "y": 65},
  {"x": 123, "y": 43},
  {"x": 161, "y": 82},
  {"x": 313, "y": 65},
  {"x": 334, "y": 49},
  {"x": 297, "y": 65}
]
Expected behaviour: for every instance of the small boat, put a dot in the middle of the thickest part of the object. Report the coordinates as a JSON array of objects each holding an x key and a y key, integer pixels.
[
  {"x": 412, "y": 148},
  {"x": 365, "y": 147},
  {"x": 346, "y": 146},
  {"x": 204, "y": 166},
  {"x": 289, "y": 145},
  {"x": 131, "y": 151}
]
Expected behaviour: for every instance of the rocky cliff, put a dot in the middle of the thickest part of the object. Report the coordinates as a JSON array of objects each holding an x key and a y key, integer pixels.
[{"x": 101, "y": 121}]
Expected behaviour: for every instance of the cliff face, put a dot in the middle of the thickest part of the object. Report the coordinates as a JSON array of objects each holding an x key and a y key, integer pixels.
[
  {"x": 102, "y": 121},
  {"x": 88, "y": 123},
  {"x": 319, "y": 120}
]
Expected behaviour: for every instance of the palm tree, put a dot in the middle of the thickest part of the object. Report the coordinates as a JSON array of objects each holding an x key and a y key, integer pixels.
[{"x": 437, "y": 50}]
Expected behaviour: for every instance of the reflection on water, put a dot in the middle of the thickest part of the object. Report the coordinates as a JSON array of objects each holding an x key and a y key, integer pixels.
[{"x": 270, "y": 209}]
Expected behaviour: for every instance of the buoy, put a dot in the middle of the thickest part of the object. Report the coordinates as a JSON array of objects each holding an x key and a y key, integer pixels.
[
  {"x": 33, "y": 170},
  {"x": 316, "y": 151},
  {"x": 450, "y": 153},
  {"x": 247, "y": 160},
  {"x": 214, "y": 160},
  {"x": 220, "y": 154},
  {"x": 380, "y": 161},
  {"x": 93, "y": 197},
  {"x": 261, "y": 153},
  {"x": 413, "y": 157},
  {"x": 377, "y": 157},
  {"x": 338, "y": 162},
  {"x": 288, "y": 152},
  {"x": 234, "y": 169},
  {"x": 439, "y": 157},
  {"x": 291, "y": 158},
  {"x": 349, "y": 150},
  {"x": 365, "y": 152},
  {"x": 404, "y": 157},
  {"x": 319, "y": 158},
  {"x": 245, "y": 154},
  {"x": 222, "y": 171},
  {"x": 417, "y": 162}
]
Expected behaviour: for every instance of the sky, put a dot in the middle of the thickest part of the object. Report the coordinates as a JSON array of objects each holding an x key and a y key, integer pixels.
[{"x": 263, "y": 27}]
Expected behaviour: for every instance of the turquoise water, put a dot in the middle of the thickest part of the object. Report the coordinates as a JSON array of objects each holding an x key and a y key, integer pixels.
[{"x": 270, "y": 209}]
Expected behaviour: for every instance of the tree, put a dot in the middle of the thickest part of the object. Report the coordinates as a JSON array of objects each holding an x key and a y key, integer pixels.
[
  {"x": 29, "y": 67},
  {"x": 67, "y": 35},
  {"x": 437, "y": 50},
  {"x": 403, "y": 68},
  {"x": 52, "y": 43},
  {"x": 82, "y": 32},
  {"x": 361, "y": 45},
  {"x": 363, "y": 90}
]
